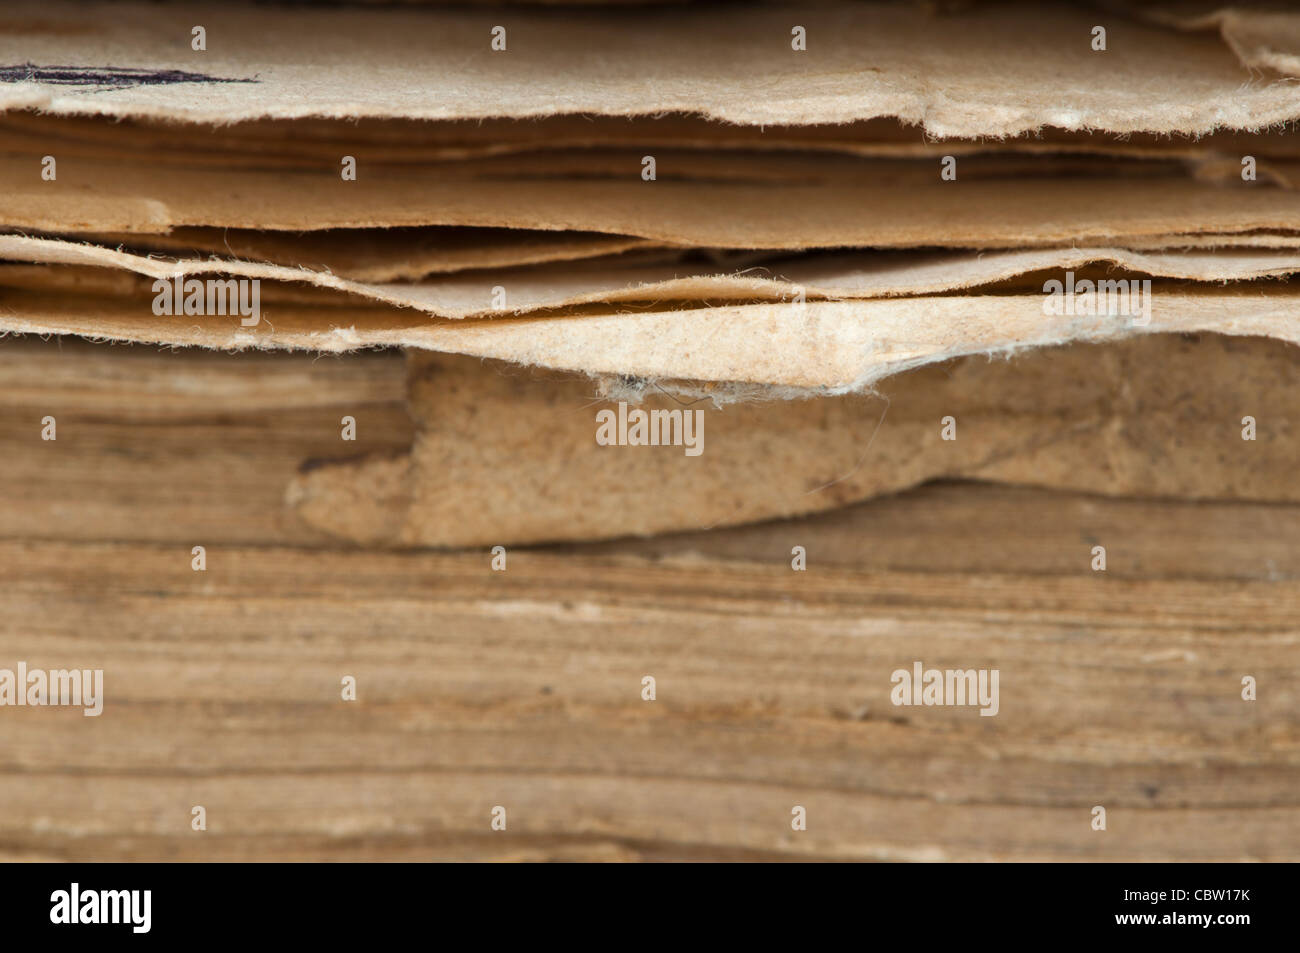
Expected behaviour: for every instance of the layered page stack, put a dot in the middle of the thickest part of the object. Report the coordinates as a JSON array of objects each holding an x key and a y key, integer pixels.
[
  {"x": 793, "y": 247},
  {"x": 421, "y": 414}
]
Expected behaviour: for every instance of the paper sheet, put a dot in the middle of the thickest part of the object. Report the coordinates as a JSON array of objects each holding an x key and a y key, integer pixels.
[
  {"x": 505, "y": 455},
  {"x": 1005, "y": 69},
  {"x": 856, "y": 203},
  {"x": 783, "y": 348},
  {"x": 865, "y": 274}
]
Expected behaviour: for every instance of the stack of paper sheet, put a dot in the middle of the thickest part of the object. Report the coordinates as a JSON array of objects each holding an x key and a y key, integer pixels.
[{"x": 761, "y": 223}]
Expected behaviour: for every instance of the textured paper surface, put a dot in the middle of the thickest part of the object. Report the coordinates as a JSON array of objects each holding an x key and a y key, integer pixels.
[
  {"x": 782, "y": 348},
  {"x": 503, "y": 455},
  {"x": 1264, "y": 36},
  {"x": 1005, "y": 69},
  {"x": 318, "y": 143},
  {"x": 857, "y": 203},
  {"x": 1259, "y": 239},
  {"x": 373, "y": 254},
  {"x": 406, "y": 255},
  {"x": 857, "y": 275}
]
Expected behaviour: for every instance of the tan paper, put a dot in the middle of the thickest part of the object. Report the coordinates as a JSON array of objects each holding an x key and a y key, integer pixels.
[
  {"x": 375, "y": 254},
  {"x": 857, "y": 203},
  {"x": 406, "y": 255},
  {"x": 818, "y": 277},
  {"x": 1264, "y": 36},
  {"x": 1007, "y": 68},
  {"x": 319, "y": 143},
  {"x": 309, "y": 144},
  {"x": 1260, "y": 239},
  {"x": 782, "y": 348},
  {"x": 505, "y": 455}
]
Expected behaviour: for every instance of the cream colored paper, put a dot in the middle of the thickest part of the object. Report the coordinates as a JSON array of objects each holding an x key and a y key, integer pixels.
[
  {"x": 785, "y": 349},
  {"x": 820, "y": 277},
  {"x": 1006, "y": 68}
]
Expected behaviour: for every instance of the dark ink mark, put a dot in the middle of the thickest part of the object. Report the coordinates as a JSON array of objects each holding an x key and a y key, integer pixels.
[{"x": 105, "y": 77}]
